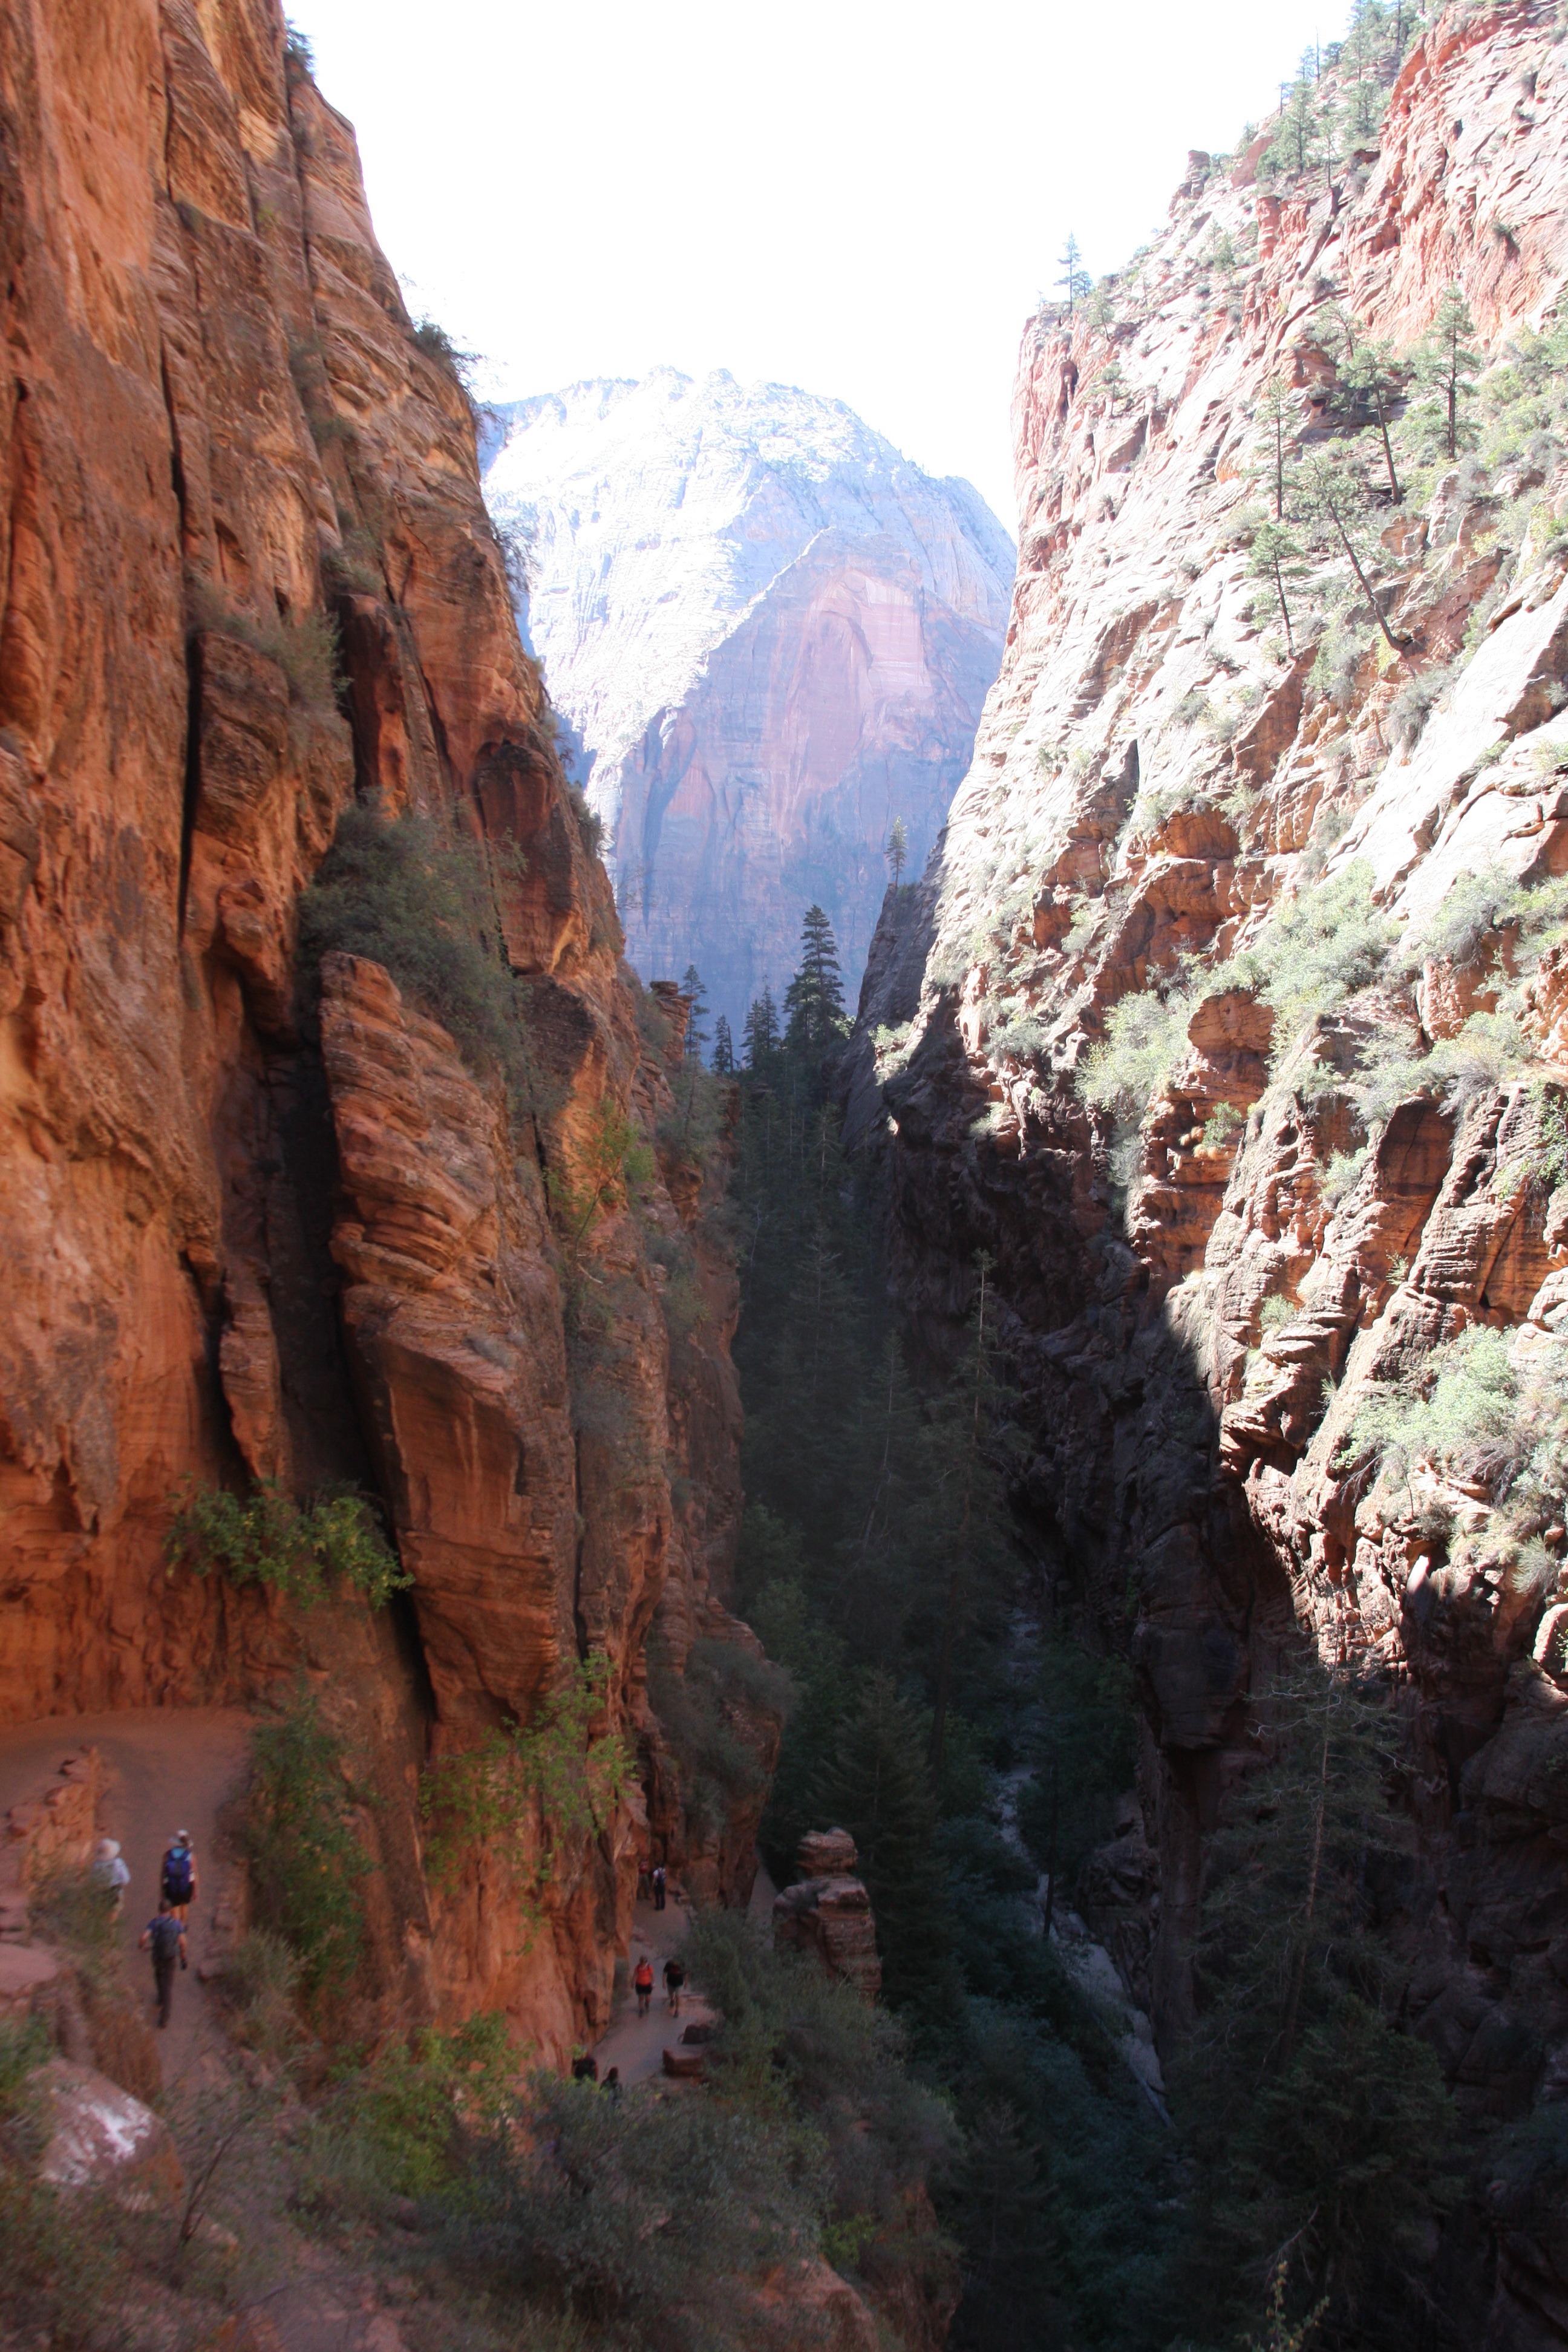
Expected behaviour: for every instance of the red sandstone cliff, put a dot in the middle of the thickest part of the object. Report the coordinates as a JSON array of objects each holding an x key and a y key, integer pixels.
[
  {"x": 240, "y": 1239},
  {"x": 1154, "y": 781}
]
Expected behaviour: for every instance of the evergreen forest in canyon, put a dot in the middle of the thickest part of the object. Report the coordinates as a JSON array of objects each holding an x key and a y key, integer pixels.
[{"x": 827, "y": 1663}]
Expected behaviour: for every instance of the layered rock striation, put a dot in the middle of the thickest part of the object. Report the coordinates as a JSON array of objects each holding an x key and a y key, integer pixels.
[
  {"x": 770, "y": 635},
  {"x": 248, "y": 580},
  {"x": 1218, "y": 1257}
]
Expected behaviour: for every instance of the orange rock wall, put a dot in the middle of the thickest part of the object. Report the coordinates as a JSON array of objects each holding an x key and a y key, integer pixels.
[{"x": 239, "y": 1238}]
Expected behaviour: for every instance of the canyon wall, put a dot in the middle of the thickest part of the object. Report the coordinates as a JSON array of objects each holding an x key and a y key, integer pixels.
[
  {"x": 250, "y": 1232},
  {"x": 770, "y": 636},
  {"x": 1202, "y": 1300}
]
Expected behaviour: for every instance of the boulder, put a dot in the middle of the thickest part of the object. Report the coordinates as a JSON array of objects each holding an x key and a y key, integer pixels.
[{"x": 98, "y": 2136}]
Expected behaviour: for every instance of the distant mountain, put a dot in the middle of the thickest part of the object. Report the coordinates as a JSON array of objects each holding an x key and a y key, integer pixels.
[{"x": 770, "y": 636}]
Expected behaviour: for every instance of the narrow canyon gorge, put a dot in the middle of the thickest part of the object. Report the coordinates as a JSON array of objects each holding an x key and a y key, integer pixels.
[{"x": 1129, "y": 1615}]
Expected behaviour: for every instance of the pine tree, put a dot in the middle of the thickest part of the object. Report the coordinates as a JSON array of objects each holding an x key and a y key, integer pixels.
[
  {"x": 1335, "y": 496},
  {"x": 1280, "y": 422},
  {"x": 1369, "y": 377},
  {"x": 874, "y": 1784},
  {"x": 814, "y": 1001},
  {"x": 760, "y": 1037},
  {"x": 1313, "y": 2121},
  {"x": 898, "y": 850},
  {"x": 696, "y": 1035},
  {"x": 724, "y": 1060},
  {"x": 1275, "y": 557},
  {"x": 965, "y": 1527},
  {"x": 1446, "y": 365},
  {"x": 1075, "y": 278}
]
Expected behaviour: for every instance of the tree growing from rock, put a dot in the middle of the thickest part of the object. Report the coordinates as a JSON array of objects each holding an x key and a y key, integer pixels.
[
  {"x": 1335, "y": 496},
  {"x": 1276, "y": 558},
  {"x": 724, "y": 1059},
  {"x": 1074, "y": 280},
  {"x": 1446, "y": 365},
  {"x": 896, "y": 851},
  {"x": 696, "y": 1035},
  {"x": 1370, "y": 377},
  {"x": 1279, "y": 423}
]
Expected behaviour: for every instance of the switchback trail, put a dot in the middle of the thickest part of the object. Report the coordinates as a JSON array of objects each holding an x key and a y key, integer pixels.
[{"x": 168, "y": 1768}]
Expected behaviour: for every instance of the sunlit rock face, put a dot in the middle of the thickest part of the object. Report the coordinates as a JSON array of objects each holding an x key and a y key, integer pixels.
[
  {"x": 1165, "y": 776},
  {"x": 770, "y": 636}
]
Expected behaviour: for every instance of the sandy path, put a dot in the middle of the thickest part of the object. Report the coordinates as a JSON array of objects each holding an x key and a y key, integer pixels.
[
  {"x": 169, "y": 1768},
  {"x": 636, "y": 2044}
]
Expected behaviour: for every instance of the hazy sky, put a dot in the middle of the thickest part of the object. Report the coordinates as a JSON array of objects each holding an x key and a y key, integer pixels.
[{"x": 859, "y": 198}]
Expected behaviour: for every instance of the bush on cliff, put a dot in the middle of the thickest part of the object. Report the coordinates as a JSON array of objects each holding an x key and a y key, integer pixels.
[
  {"x": 302, "y": 1550},
  {"x": 307, "y": 1859},
  {"x": 408, "y": 895}
]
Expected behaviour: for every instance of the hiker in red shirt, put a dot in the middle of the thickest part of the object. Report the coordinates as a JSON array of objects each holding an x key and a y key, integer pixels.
[{"x": 643, "y": 1982}]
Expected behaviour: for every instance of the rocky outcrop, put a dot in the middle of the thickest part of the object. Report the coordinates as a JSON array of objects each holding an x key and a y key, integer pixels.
[
  {"x": 246, "y": 1238},
  {"x": 1204, "y": 1295},
  {"x": 770, "y": 635},
  {"x": 828, "y": 1913}
]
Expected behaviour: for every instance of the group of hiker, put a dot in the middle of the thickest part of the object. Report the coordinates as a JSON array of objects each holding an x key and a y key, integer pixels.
[
  {"x": 642, "y": 1984},
  {"x": 164, "y": 1934}
]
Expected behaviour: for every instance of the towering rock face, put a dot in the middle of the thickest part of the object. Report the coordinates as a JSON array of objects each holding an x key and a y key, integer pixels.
[
  {"x": 770, "y": 636},
  {"x": 1163, "y": 781},
  {"x": 244, "y": 1237}
]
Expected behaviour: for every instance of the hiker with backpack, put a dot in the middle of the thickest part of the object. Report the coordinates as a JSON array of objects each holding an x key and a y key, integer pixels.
[
  {"x": 177, "y": 1884},
  {"x": 674, "y": 1977},
  {"x": 164, "y": 1938},
  {"x": 642, "y": 1984}
]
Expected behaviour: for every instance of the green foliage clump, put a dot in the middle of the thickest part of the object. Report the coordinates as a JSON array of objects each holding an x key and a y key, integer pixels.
[
  {"x": 607, "y": 1163},
  {"x": 300, "y": 1550},
  {"x": 307, "y": 1858},
  {"x": 1145, "y": 1037},
  {"x": 704, "y": 1712},
  {"x": 1314, "y": 952},
  {"x": 1472, "y": 1412},
  {"x": 531, "y": 1790},
  {"x": 1468, "y": 924},
  {"x": 419, "y": 900},
  {"x": 637, "y": 2219},
  {"x": 805, "y": 2054},
  {"x": 422, "y": 2099},
  {"x": 304, "y": 646}
]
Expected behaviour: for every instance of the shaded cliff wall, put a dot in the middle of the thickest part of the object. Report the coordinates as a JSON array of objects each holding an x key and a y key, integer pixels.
[
  {"x": 240, "y": 1238},
  {"x": 1153, "y": 777},
  {"x": 772, "y": 636}
]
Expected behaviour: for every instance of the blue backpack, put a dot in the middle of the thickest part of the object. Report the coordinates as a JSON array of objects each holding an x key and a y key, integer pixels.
[{"x": 179, "y": 1875}]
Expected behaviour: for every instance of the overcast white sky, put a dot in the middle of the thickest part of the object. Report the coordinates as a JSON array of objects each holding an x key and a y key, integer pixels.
[{"x": 858, "y": 196}]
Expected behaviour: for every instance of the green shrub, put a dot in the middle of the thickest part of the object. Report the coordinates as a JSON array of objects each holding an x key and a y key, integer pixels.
[
  {"x": 590, "y": 825},
  {"x": 25, "y": 2044},
  {"x": 408, "y": 2121},
  {"x": 1471, "y": 1411},
  {"x": 609, "y": 1163},
  {"x": 407, "y": 894},
  {"x": 1146, "y": 1036},
  {"x": 1274, "y": 1314},
  {"x": 304, "y": 647},
  {"x": 697, "y": 1711},
  {"x": 639, "y": 2218},
  {"x": 260, "y": 1986},
  {"x": 306, "y": 1856},
  {"x": 301, "y": 1551},
  {"x": 562, "y": 1771},
  {"x": 1313, "y": 951},
  {"x": 1477, "y": 906}
]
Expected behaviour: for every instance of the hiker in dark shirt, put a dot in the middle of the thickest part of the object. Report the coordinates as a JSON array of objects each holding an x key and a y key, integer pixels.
[
  {"x": 586, "y": 2069},
  {"x": 658, "y": 1886},
  {"x": 674, "y": 1977},
  {"x": 164, "y": 1938}
]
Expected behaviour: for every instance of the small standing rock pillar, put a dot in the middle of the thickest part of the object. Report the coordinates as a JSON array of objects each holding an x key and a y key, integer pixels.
[{"x": 828, "y": 1912}]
